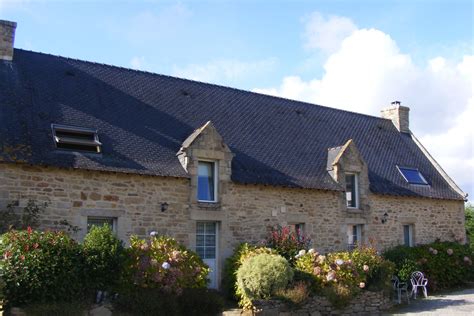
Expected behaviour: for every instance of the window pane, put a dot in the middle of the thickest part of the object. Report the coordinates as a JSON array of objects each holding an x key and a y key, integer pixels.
[
  {"x": 211, "y": 228},
  {"x": 206, "y": 181},
  {"x": 210, "y": 253},
  {"x": 351, "y": 190},
  {"x": 199, "y": 240},
  {"x": 200, "y": 228},
  {"x": 407, "y": 235},
  {"x": 200, "y": 252},
  {"x": 211, "y": 240},
  {"x": 412, "y": 176}
]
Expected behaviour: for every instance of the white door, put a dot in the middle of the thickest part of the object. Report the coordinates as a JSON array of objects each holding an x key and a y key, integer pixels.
[{"x": 206, "y": 248}]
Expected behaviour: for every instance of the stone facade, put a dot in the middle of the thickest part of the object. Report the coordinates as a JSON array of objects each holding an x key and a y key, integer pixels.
[
  {"x": 366, "y": 303},
  {"x": 243, "y": 213}
]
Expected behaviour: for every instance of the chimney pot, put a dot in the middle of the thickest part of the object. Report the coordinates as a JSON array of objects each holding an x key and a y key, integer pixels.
[
  {"x": 400, "y": 116},
  {"x": 7, "y": 38}
]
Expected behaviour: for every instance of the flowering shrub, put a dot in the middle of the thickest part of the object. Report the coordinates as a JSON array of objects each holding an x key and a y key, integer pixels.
[
  {"x": 243, "y": 252},
  {"x": 287, "y": 243},
  {"x": 445, "y": 264},
  {"x": 41, "y": 266},
  {"x": 341, "y": 275},
  {"x": 161, "y": 262},
  {"x": 104, "y": 255},
  {"x": 261, "y": 276}
]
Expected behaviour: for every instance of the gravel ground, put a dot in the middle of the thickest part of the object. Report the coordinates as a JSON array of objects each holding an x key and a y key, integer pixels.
[{"x": 455, "y": 303}]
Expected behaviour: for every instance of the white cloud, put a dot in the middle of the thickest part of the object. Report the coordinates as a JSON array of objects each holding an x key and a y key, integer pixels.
[
  {"x": 138, "y": 62},
  {"x": 224, "y": 70},
  {"x": 368, "y": 71},
  {"x": 326, "y": 34}
]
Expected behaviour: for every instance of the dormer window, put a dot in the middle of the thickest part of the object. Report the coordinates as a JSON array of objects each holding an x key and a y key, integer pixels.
[
  {"x": 207, "y": 181},
  {"x": 76, "y": 138},
  {"x": 352, "y": 190},
  {"x": 412, "y": 176}
]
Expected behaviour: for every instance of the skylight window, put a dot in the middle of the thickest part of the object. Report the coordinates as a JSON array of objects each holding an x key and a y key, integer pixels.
[
  {"x": 412, "y": 176},
  {"x": 76, "y": 138}
]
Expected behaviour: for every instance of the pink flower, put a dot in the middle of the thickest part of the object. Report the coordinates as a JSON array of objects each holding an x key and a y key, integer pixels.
[
  {"x": 366, "y": 268},
  {"x": 449, "y": 251},
  {"x": 361, "y": 285},
  {"x": 317, "y": 271}
]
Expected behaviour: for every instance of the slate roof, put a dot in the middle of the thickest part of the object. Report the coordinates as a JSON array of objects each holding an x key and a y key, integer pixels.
[{"x": 143, "y": 119}]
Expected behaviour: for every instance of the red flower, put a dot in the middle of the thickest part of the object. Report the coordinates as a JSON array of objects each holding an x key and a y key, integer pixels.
[
  {"x": 7, "y": 255},
  {"x": 30, "y": 230}
]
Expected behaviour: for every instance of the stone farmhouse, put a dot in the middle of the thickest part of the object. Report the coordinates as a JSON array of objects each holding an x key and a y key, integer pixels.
[{"x": 209, "y": 165}]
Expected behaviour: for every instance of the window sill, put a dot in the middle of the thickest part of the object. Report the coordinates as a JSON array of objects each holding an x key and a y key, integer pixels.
[
  {"x": 354, "y": 210},
  {"x": 208, "y": 205}
]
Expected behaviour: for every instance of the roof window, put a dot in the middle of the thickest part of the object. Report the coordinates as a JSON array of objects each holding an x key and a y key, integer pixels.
[
  {"x": 412, "y": 176},
  {"x": 76, "y": 138}
]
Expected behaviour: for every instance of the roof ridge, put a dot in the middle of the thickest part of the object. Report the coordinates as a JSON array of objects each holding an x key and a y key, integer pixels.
[{"x": 304, "y": 103}]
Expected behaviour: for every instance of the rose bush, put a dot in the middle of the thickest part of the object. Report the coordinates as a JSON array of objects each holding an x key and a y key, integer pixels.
[
  {"x": 41, "y": 266},
  {"x": 287, "y": 243}
]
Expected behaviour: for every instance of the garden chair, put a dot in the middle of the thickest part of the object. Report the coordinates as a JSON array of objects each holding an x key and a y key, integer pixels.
[
  {"x": 400, "y": 287},
  {"x": 418, "y": 280}
]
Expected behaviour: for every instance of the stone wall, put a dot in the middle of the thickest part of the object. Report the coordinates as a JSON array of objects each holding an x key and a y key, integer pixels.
[
  {"x": 366, "y": 303},
  {"x": 244, "y": 212}
]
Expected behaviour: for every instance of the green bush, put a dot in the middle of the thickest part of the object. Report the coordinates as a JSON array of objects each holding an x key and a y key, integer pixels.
[
  {"x": 41, "y": 267},
  {"x": 445, "y": 264},
  {"x": 104, "y": 254},
  {"x": 243, "y": 252},
  {"x": 261, "y": 276},
  {"x": 341, "y": 275},
  {"x": 161, "y": 262}
]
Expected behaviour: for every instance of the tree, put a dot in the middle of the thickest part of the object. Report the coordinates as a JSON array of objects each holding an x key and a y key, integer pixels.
[{"x": 469, "y": 209}]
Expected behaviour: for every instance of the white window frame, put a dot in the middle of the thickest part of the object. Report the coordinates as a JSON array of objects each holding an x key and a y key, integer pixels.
[
  {"x": 114, "y": 221},
  {"x": 356, "y": 190},
  {"x": 359, "y": 231},
  {"x": 410, "y": 235},
  {"x": 216, "y": 183}
]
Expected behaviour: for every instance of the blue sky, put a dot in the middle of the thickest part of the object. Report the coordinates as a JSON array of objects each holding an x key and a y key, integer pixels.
[{"x": 355, "y": 55}]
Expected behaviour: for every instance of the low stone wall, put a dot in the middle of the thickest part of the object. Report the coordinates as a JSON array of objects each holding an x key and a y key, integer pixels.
[{"x": 366, "y": 303}]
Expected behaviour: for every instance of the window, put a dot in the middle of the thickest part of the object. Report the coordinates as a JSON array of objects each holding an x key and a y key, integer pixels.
[
  {"x": 412, "y": 176},
  {"x": 100, "y": 221},
  {"x": 408, "y": 235},
  {"x": 298, "y": 229},
  {"x": 76, "y": 138},
  {"x": 354, "y": 235},
  {"x": 207, "y": 181},
  {"x": 352, "y": 190},
  {"x": 206, "y": 239}
]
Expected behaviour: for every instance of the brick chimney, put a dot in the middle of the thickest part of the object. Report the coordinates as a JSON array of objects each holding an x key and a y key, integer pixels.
[
  {"x": 7, "y": 37},
  {"x": 400, "y": 116}
]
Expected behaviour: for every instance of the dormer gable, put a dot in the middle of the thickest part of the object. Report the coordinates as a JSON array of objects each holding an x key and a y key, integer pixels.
[
  {"x": 348, "y": 168},
  {"x": 204, "y": 143}
]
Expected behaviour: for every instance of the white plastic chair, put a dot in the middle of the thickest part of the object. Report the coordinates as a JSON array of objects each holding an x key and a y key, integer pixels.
[
  {"x": 399, "y": 287},
  {"x": 418, "y": 280}
]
